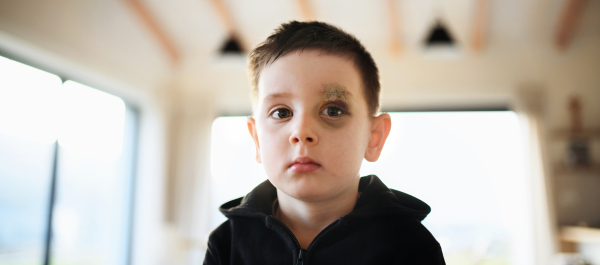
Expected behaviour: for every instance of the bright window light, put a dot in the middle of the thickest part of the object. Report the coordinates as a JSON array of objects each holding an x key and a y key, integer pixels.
[
  {"x": 91, "y": 121},
  {"x": 466, "y": 165},
  {"x": 28, "y": 102},
  {"x": 35, "y": 105},
  {"x": 233, "y": 167},
  {"x": 96, "y": 133}
]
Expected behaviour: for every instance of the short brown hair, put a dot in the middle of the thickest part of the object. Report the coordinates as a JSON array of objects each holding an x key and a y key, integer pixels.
[{"x": 296, "y": 35}]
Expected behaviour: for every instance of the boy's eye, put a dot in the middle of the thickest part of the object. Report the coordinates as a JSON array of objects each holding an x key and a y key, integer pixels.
[
  {"x": 332, "y": 111},
  {"x": 281, "y": 113}
]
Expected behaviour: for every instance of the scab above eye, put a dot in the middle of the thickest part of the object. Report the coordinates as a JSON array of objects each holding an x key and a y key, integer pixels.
[{"x": 281, "y": 113}]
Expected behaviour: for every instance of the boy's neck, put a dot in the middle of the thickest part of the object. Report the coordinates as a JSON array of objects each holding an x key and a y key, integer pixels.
[{"x": 307, "y": 219}]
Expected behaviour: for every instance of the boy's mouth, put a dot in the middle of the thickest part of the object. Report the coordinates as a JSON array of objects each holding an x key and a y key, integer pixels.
[{"x": 304, "y": 164}]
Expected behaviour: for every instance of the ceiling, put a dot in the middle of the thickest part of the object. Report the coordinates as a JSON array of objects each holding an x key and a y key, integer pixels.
[
  {"x": 109, "y": 37},
  {"x": 195, "y": 27}
]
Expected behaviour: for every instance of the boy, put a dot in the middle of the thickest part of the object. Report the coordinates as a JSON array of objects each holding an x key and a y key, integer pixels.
[{"x": 315, "y": 93}]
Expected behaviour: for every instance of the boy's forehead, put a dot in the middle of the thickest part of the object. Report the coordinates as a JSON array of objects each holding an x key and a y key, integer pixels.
[{"x": 294, "y": 65}]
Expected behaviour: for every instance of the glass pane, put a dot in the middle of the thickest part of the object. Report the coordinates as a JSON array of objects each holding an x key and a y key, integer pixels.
[
  {"x": 93, "y": 207},
  {"x": 91, "y": 121},
  {"x": 468, "y": 167},
  {"x": 27, "y": 133},
  {"x": 25, "y": 168},
  {"x": 28, "y": 102},
  {"x": 230, "y": 141}
]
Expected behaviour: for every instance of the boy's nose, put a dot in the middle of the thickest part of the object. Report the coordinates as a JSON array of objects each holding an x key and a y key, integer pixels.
[{"x": 303, "y": 133}]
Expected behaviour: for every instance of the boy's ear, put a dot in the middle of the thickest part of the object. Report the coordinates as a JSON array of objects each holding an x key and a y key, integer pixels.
[
  {"x": 379, "y": 133},
  {"x": 252, "y": 129}
]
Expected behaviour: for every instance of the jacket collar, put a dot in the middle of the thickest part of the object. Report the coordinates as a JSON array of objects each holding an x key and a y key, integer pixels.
[{"x": 376, "y": 199}]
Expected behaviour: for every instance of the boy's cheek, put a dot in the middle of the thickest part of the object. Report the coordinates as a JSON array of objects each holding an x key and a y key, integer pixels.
[{"x": 273, "y": 145}]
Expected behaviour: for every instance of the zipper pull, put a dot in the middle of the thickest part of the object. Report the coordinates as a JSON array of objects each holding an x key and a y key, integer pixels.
[{"x": 301, "y": 257}]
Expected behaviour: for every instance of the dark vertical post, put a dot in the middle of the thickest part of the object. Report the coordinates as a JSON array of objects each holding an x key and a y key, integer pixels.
[{"x": 51, "y": 205}]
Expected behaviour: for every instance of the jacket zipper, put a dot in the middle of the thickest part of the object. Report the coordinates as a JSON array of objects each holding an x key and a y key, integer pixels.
[
  {"x": 302, "y": 252},
  {"x": 322, "y": 231},
  {"x": 301, "y": 255}
]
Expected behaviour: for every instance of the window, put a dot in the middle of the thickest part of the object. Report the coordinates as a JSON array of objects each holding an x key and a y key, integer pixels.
[
  {"x": 465, "y": 165},
  {"x": 230, "y": 141},
  {"x": 89, "y": 135},
  {"x": 27, "y": 132}
]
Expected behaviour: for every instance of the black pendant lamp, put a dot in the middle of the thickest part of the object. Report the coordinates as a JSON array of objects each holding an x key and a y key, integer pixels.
[
  {"x": 232, "y": 47},
  {"x": 439, "y": 36}
]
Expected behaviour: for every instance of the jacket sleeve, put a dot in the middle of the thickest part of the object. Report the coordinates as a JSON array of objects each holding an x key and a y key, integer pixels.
[
  {"x": 212, "y": 255},
  {"x": 219, "y": 246},
  {"x": 435, "y": 258}
]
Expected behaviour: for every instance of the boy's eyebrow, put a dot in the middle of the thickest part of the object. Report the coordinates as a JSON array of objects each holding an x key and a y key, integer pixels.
[
  {"x": 333, "y": 91},
  {"x": 277, "y": 95}
]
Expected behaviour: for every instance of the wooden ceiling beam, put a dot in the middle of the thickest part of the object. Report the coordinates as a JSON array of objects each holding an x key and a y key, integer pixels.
[
  {"x": 480, "y": 25},
  {"x": 224, "y": 16},
  {"x": 395, "y": 40},
  {"x": 228, "y": 21},
  {"x": 160, "y": 35},
  {"x": 306, "y": 11},
  {"x": 568, "y": 23}
]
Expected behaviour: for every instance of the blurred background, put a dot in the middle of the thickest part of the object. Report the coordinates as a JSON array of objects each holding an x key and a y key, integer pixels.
[{"x": 122, "y": 123}]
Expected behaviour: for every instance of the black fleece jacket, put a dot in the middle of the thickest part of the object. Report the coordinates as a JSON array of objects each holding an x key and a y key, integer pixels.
[{"x": 384, "y": 228}]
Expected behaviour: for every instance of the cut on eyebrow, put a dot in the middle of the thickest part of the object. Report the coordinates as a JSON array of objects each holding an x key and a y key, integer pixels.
[{"x": 333, "y": 91}]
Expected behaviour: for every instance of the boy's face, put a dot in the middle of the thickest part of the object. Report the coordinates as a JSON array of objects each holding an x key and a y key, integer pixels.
[{"x": 311, "y": 125}]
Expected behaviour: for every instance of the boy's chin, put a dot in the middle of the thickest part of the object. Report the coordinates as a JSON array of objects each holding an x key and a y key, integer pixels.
[
  {"x": 308, "y": 196},
  {"x": 306, "y": 191}
]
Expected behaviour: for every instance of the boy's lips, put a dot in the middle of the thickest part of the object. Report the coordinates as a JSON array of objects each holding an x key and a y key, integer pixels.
[{"x": 304, "y": 164}]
